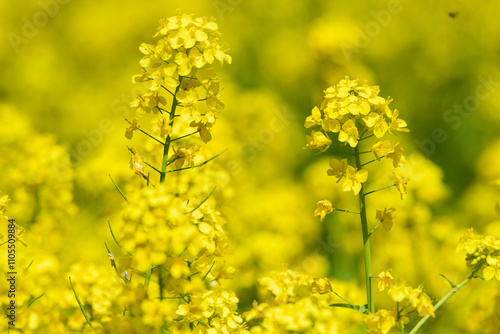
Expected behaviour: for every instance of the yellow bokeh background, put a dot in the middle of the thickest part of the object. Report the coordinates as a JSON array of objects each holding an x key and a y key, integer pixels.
[{"x": 66, "y": 69}]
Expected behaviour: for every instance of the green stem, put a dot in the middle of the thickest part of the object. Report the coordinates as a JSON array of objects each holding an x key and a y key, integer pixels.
[
  {"x": 166, "y": 146},
  {"x": 348, "y": 211},
  {"x": 445, "y": 298},
  {"x": 374, "y": 191},
  {"x": 348, "y": 302},
  {"x": 373, "y": 230},
  {"x": 366, "y": 239}
]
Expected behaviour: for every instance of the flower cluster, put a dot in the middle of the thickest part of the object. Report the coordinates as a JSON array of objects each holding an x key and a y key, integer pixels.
[
  {"x": 406, "y": 297},
  {"x": 177, "y": 66},
  {"x": 354, "y": 111},
  {"x": 482, "y": 250},
  {"x": 295, "y": 303}
]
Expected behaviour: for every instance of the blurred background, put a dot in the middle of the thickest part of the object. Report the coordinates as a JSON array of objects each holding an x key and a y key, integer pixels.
[{"x": 67, "y": 67}]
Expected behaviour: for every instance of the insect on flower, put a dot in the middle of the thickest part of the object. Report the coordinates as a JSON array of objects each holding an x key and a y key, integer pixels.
[
  {"x": 111, "y": 258},
  {"x": 126, "y": 276}
]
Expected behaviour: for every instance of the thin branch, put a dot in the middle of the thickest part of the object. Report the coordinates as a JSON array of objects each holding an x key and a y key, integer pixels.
[
  {"x": 167, "y": 90},
  {"x": 370, "y": 192},
  {"x": 175, "y": 139},
  {"x": 348, "y": 211},
  {"x": 195, "y": 166}
]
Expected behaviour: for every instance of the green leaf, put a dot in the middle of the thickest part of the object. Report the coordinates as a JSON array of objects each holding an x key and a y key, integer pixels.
[
  {"x": 118, "y": 188},
  {"x": 31, "y": 301},
  {"x": 206, "y": 198},
  {"x": 113, "y": 235},
  {"x": 80, "y": 304}
]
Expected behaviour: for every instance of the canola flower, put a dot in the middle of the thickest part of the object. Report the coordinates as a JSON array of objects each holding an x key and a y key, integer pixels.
[
  {"x": 170, "y": 240},
  {"x": 352, "y": 113}
]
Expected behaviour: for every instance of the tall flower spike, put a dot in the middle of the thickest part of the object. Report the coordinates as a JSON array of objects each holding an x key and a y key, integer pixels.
[{"x": 184, "y": 47}]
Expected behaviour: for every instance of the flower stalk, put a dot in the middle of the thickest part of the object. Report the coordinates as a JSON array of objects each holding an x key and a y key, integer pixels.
[
  {"x": 166, "y": 146},
  {"x": 453, "y": 290},
  {"x": 366, "y": 238}
]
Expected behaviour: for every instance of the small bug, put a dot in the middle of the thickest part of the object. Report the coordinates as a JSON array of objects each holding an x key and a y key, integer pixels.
[{"x": 112, "y": 259}]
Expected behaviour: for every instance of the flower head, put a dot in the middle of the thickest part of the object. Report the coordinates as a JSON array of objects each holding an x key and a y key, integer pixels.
[
  {"x": 381, "y": 149},
  {"x": 400, "y": 183},
  {"x": 398, "y": 159},
  {"x": 133, "y": 126},
  {"x": 399, "y": 291},
  {"x": 136, "y": 163},
  {"x": 338, "y": 168},
  {"x": 318, "y": 140},
  {"x": 385, "y": 280},
  {"x": 349, "y": 133},
  {"x": 321, "y": 285},
  {"x": 324, "y": 207},
  {"x": 353, "y": 180},
  {"x": 386, "y": 217},
  {"x": 421, "y": 301},
  {"x": 381, "y": 322}
]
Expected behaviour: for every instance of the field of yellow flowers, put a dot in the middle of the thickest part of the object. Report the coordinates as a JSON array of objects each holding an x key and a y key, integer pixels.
[{"x": 236, "y": 166}]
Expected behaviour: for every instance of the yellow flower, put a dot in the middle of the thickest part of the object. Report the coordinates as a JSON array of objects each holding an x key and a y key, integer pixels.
[
  {"x": 468, "y": 242},
  {"x": 376, "y": 123},
  {"x": 162, "y": 126},
  {"x": 421, "y": 301},
  {"x": 134, "y": 125},
  {"x": 381, "y": 149},
  {"x": 349, "y": 133},
  {"x": 321, "y": 286},
  {"x": 338, "y": 168},
  {"x": 314, "y": 119},
  {"x": 399, "y": 291},
  {"x": 396, "y": 123},
  {"x": 386, "y": 217},
  {"x": 135, "y": 163},
  {"x": 490, "y": 272},
  {"x": 184, "y": 157},
  {"x": 318, "y": 140},
  {"x": 398, "y": 159},
  {"x": 324, "y": 207},
  {"x": 400, "y": 183},
  {"x": 385, "y": 280},
  {"x": 353, "y": 180},
  {"x": 381, "y": 322}
]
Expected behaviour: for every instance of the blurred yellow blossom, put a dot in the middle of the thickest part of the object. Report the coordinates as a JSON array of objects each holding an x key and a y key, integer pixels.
[
  {"x": 398, "y": 159},
  {"x": 386, "y": 217},
  {"x": 321, "y": 285},
  {"x": 400, "y": 182},
  {"x": 385, "y": 280},
  {"x": 338, "y": 168},
  {"x": 381, "y": 322}
]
